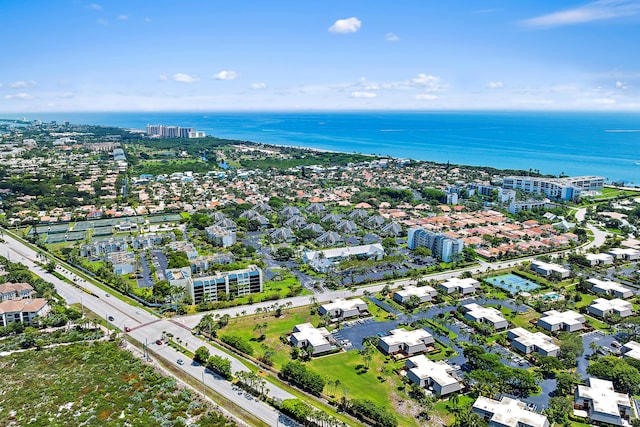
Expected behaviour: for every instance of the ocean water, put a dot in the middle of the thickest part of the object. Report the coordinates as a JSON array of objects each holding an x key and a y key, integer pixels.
[{"x": 606, "y": 144}]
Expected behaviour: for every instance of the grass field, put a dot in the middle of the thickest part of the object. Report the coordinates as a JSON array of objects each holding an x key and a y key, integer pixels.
[{"x": 92, "y": 385}]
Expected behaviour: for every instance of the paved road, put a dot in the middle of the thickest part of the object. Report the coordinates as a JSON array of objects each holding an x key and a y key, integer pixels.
[
  {"x": 145, "y": 327},
  {"x": 599, "y": 236}
]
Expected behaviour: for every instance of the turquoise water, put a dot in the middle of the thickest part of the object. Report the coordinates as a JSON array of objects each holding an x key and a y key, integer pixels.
[
  {"x": 518, "y": 284},
  {"x": 551, "y": 296},
  {"x": 606, "y": 144}
]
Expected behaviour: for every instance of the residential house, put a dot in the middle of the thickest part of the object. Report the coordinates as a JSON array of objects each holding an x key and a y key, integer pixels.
[
  {"x": 602, "y": 307},
  {"x": 548, "y": 269},
  {"x": 425, "y": 293},
  {"x": 626, "y": 254},
  {"x": 16, "y": 291},
  {"x": 529, "y": 342},
  {"x": 599, "y": 259},
  {"x": 631, "y": 349},
  {"x": 488, "y": 315},
  {"x": 608, "y": 287},
  {"x": 317, "y": 340},
  {"x": 22, "y": 310},
  {"x": 462, "y": 286}
]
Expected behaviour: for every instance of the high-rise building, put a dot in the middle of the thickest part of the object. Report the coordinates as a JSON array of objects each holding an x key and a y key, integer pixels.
[
  {"x": 184, "y": 132},
  {"x": 554, "y": 188},
  {"x": 442, "y": 246},
  {"x": 170, "y": 131},
  {"x": 154, "y": 130}
]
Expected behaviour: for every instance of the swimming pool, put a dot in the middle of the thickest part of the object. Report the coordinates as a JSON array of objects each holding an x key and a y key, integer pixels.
[{"x": 512, "y": 283}]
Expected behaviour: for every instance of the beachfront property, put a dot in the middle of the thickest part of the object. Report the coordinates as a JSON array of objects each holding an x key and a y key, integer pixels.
[
  {"x": 631, "y": 350},
  {"x": 568, "y": 321},
  {"x": 548, "y": 269},
  {"x": 161, "y": 131},
  {"x": 488, "y": 315},
  {"x": 625, "y": 254},
  {"x": 507, "y": 412},
  {"x": 425, "y": 293},
  {"x": 22, "y": 311},
  {"x": 406, "y": 342},
  {"x": 315, "y": 340},
  {"x": 442, "y": 246},
  {"x": 462, "y": 286},
  {"x": 325, "y": 260},
  {"x": 599, "y": 402},
  {"x": 529, "y": 342},
  {"x": 432, "y": 375},
  {"x": 599, "y": 259},
  {"x": 343, "y": 309},
  {"x": 13, "y": 291},
  {"x": 555, "y": 188},
  {"x": 608, "y": 287},
  {"x": 220, "y": 236},
  {"x": 602, "y": 307}
]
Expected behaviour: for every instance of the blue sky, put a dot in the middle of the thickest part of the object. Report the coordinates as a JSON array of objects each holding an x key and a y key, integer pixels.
[{"x": 112, "y": 55}]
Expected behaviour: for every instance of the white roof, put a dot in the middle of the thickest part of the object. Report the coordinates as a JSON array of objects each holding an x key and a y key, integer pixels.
[
  {"x": 399, "y": 336},
  {"x": 550, "y": 266},
  {"x": 415, "y": 290},
  {"x": 608, "y": 285},
  {"x": 510, "y": 412},
  {"x": 617, "y": 304},
  {"x": 343, "y": 304},
  {"x": 537, "y": 339},
  {"x": 315, "y": 336},
  {"x": 568, "y": 317},
  {"x": 599, "y": 257},
  {"x": 456, "y": 282},
  {"x": 439, "y": 372},
  {"x": 488, "y": 313},
  {"x": 631, "y": 349},
  {"x": 604, "y": 398},
  {"x": 347, "y": 251},
  {"x": 624, "y": 251}
]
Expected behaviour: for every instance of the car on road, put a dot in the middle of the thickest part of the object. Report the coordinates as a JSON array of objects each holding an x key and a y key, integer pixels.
[
  {"x": 159, "y": 342},
  {"x": 110, "y": 318},
  {"x": 127, "y": 329},
  {"x": 180, "y": 362},
  {"x": 107, "y": 295}
]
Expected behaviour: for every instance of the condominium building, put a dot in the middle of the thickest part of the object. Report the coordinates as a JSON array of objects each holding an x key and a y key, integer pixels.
[
  {"x": 342, "y": 309},
  {"x": 547, "y": 269},
  {"x": 442, "y": 246},
  {"x": 325, "y": 260},
  {"x": 555, "y": 188},
  {"x": 438, "y": 376},
  {"x": 462, "y": 286},
  {"x": 568, "y": 321},
  {"x": 599, "y": 402},
  {"x": 608, "y": 287},
  {"x": 221, "y": 236},
  {"x": 425, "y": 293},
  {"x": 22, "y": 311},
  {"x": 406, "y": 342},
  {"x": 631, "y": 349},
  {"x": 13, "y": 291},
  {"x": 533, "y": 342},
  {"x": 602, "y": 307},
  {"x": 626, "y": 254},
  {"x": 317, "y": 340},
  {"x": 488, "y": 315},
  {"x": 508, "y": 412},
  {"x": 599, "y": 259}
]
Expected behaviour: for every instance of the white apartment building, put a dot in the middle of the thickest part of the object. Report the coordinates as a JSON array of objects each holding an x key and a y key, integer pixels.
[
  {"x": 602, "y": 307},
  {"x": 555, "y": 188},
  {"x": 529, "y": 342},
  {"x": 342, "y": 309},
  {"x": 547, "y": 269},
  {"x": 429, "y": 374},
  {"x": 568, "y": 321},
  {"x": 488, "y": 315},
  {"x": 631, "y": 349},
  {"x": 462, "y": 286},
  {"x": 626, "y": 254},
  {"x": 599, "y": 402},
  {"x": 608, "y": 287},
  {"x": 599, "y": 259},
  {"x": 407, "y": 342},
  {"x": 305, "y": 335},
  {"x": 508, "y": 412},
  {"x": 425, "y": 293}
]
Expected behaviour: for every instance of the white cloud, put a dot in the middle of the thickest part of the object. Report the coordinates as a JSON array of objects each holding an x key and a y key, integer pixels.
[
  {"x": 22, "y": 96},
  {"x": 495, "y": 85},
  {"x": 594, "y": 11},
  {"x": 257, "y": 86},
  {"x": 123, "y": 17},
  {"x": 185, "y": 78},
  {"x": 225, "y": 75},
  {"x": 346, "y": 26},
  {"x": 23, "y": 83},
  {"x": 94, "y": 6},
  {"x": 622, "y": 85},
  {"x": 426, "y": 97},
  {"x": 391, "y": 37},
  {"x": 163, "y": 77},
  {"x": 66, "y": 95},
  {"x": 103, "y": 22},
  {"x": 360, "y": 94},
  {"x": 425, "y": 82},
  {"x": 365, "y": 84}
]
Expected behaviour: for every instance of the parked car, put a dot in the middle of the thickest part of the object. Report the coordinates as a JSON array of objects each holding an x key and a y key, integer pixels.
[
  {"x": 159, "y": 342},
  {"x": 110, "y": 318},
  {"x": 180, "y": 362}
]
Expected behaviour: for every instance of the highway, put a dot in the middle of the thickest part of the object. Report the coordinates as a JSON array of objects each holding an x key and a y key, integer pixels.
[{"x": 146, "y": 327}]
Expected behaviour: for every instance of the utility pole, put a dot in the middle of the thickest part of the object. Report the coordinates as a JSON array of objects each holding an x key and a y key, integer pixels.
[{"x": 204, "y": 387}]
